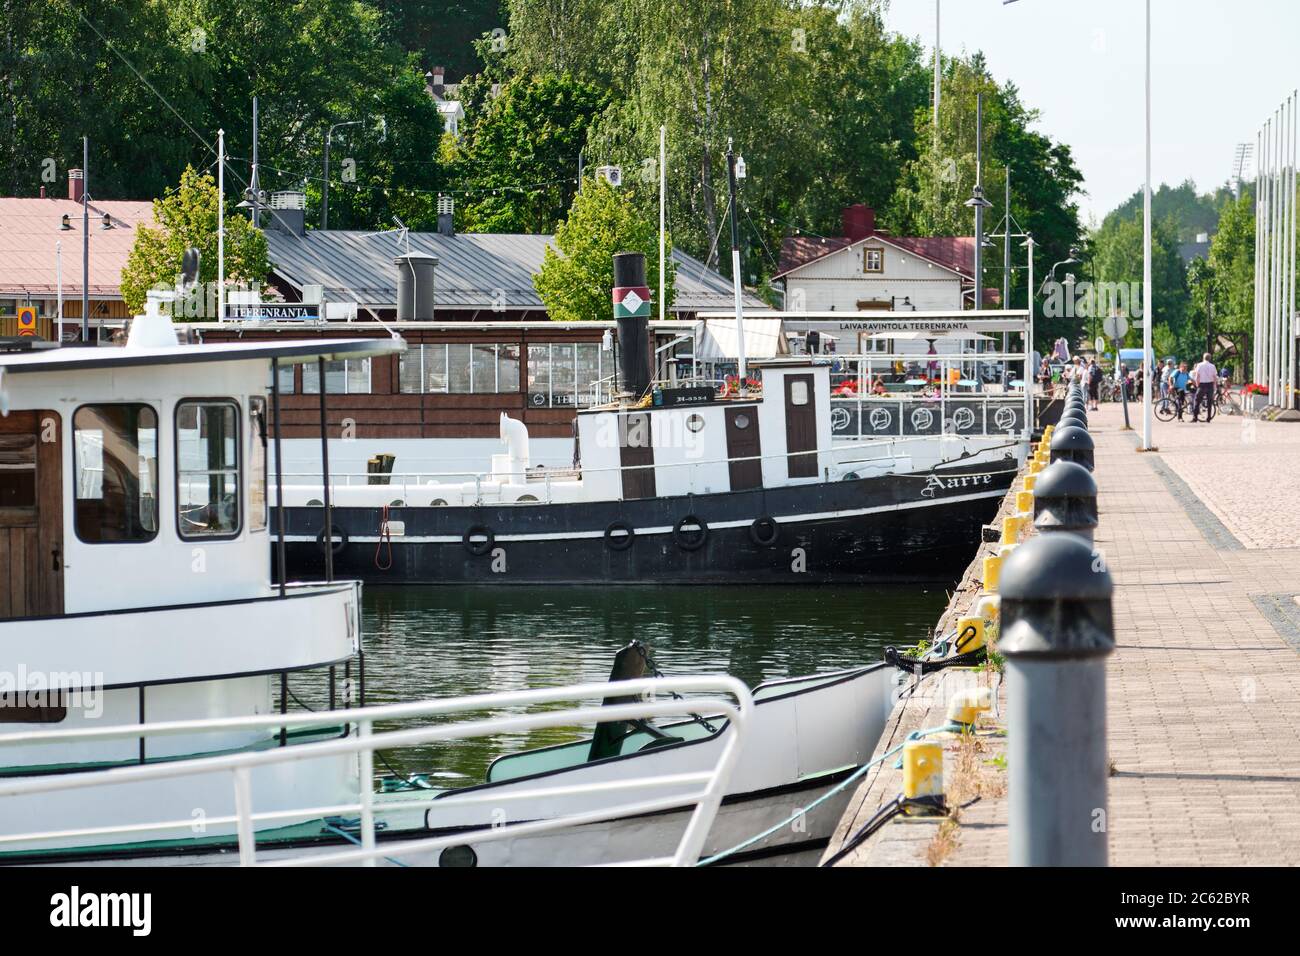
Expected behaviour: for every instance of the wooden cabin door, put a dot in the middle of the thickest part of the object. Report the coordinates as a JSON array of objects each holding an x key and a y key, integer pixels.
[
  {"x": 636, "y": 455},
  {"x": 800, "y": 426},
  {"x": 31, "y": 515},
  {"x": 743, "y": 442}
]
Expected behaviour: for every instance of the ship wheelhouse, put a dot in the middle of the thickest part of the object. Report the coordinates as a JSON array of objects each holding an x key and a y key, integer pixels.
[{"x": 136, "y": 548}]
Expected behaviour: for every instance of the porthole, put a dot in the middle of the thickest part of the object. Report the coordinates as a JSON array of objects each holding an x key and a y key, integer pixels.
[
  {"x": 315, "y": 503},
  {"x": 525, "y": 499},
  {"x": 396, "y": 503},
  {"x": 741, "y": 421},
  {"x": 438, "y": 503},
  {"x": 695, "y": 422}
]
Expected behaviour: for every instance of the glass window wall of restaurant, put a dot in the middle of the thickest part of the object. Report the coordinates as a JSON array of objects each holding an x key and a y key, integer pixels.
[{"x": 558, "y": 374}]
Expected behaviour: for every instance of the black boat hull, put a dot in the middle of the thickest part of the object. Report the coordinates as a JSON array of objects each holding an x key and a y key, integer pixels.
[{"x": 921, "y": 527}]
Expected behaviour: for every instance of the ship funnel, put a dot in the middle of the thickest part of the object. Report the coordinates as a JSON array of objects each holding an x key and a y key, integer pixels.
[{"x": 632, "y": 312}]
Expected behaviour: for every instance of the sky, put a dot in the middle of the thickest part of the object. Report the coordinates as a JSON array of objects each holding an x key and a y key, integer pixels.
[{"x": 1219, "y": 69}]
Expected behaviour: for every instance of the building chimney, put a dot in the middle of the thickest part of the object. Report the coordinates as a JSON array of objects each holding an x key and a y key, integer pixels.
[
  {"x": 415, "y": 272},
  {"x": 76, "y": 185},
  {"x": 859, "y": 221},
  {"x": 446, "y": 223},
  {"x": 435, "y": 81}
]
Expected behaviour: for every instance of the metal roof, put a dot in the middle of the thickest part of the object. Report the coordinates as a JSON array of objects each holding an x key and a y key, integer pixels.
[
  {"x": 475, "y": 270},
  {"x": 29, "y": 229}
]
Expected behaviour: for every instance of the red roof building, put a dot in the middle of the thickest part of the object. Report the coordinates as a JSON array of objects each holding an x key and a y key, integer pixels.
[
  {"x": 868, "y": 269},
  {"x": 32, "y": 229}
]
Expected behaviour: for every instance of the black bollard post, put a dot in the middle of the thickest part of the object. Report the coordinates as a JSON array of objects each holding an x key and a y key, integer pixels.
[
  {"x": 1065, "y": 499},
  {"x": 1072, "y": 444},
  {"x": 1057, "y": 628}
]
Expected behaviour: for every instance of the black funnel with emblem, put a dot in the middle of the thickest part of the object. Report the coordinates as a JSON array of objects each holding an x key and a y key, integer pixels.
[{"x": 632, "y": 312}]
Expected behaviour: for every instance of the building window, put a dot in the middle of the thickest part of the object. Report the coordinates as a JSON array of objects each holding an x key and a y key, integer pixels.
[
  {"x": 480, "y": 369},
  {"x": 507, "y": 368},
  {"x": 873, "y": 260},
  {"x": 342, "y": 377},
  {"x": 207, "y": 469},
  {"x": 483, "y": 369},
  {"x": 257, "y": 513},
  {"x": 588, "y": 359},
  {"x": 285, "y": 377},
  {"x": 115, "y": 460}
]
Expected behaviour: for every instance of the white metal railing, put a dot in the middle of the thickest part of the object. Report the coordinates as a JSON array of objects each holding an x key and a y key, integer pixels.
[{"x": 731, "y": 701}]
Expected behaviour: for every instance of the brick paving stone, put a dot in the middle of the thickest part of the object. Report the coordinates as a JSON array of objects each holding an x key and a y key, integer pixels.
[{"x": 1203, "y": 688}]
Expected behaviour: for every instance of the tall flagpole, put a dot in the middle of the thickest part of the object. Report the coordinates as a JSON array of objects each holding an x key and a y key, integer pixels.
[
  {"x": 1148, "y": 316},
  {"x": 937, "y": 70},
  {"x": 221, "y": 225},
  {"x": 663, "y": 176},
  {"x": 1259, "y": 244},
  {"x": 1291, "y": 237}
]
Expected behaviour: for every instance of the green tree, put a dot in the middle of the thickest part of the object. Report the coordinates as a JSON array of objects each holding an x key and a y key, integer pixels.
[
  {"x": 187, "y": 216},
  {"x": 442, "y": 32},
  {"x": 931, "y": 197},
  {"x": 150, "y": 82},
  {"x": 518, "y": 164},
  {"x": 1118, "y": 259},
  {"x": 1232, "y": 259},
  {"x": 576, "y": 280}
]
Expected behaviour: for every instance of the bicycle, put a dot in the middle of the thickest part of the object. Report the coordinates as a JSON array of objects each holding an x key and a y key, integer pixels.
[{"x": 1170, "y": 406}]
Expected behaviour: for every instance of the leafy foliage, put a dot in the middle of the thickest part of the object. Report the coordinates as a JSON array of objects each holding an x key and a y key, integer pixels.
[
  {"x": 530, "y": 133},
  {"x": 575, "y": 282},
  {"x": 151, "y": 81},
  {"x": 187, "y": 216}
]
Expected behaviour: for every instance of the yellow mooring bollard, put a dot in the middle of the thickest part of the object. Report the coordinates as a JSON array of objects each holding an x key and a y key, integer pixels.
[
  {"x": 970, "y": 635},
  {"x": 966, "y": 706},
  {"x": 1025, "y": 502},
  {"x": 992, "y": 572},
  {"x": 1010, "y": 529},
  {"x": 1029, "y": 482},
  {"x": 922, "y": 771}
]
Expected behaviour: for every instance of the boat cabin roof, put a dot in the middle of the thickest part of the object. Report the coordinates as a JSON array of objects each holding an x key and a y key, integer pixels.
[{"x": 111, "y": 357}]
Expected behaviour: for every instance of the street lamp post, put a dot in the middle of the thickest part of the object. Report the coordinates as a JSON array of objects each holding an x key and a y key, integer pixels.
[
  {"x": 1148, "y": 319},
  {"x": 325, "y": 192}
]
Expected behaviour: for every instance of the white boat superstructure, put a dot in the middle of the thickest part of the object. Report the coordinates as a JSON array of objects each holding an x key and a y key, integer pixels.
[{"x": 145, "y": 708}]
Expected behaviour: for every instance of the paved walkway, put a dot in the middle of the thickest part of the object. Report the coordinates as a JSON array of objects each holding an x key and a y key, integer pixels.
[{"x": 1203, "y": 542}]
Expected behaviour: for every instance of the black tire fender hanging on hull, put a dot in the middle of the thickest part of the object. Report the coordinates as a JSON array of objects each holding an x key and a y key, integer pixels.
[
  {"x": 616, "y": 541},
  {"x": 690, "y": 540},
  {"x": 764, "y": 531},
  {"x": 482, "y": 546},
  {"x": 338, "y": 540}
]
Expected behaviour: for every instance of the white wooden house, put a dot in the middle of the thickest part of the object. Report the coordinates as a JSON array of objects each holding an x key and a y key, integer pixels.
[{"x": 870, "y": 270}]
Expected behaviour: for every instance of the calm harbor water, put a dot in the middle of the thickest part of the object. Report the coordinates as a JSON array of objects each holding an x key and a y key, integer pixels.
[{"x": 444, "y": 642}]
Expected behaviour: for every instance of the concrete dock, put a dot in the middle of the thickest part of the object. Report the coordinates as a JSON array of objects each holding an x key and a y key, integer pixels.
[{"x": 1202, "y": 540}]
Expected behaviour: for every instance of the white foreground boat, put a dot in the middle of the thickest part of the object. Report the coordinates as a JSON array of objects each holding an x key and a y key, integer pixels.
[{"x": 144, "y": 700}]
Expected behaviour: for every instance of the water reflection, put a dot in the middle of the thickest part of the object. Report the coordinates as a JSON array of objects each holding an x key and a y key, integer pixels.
[{"x": 443, "y": 642}]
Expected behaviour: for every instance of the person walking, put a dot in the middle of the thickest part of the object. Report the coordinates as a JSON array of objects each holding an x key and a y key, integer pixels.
[
  {"x": 1165, "y": 374},
  {"x": 1205, "y": 377},
  {"x": 1093, "y": 378}
]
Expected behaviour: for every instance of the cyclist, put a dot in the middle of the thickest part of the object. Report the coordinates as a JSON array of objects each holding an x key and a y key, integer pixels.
[{"x": 1178, "y": 383}]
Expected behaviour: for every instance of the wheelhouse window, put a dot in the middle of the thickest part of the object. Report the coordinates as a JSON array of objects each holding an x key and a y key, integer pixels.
[
  {"x": 207, "y": 469},
  {"x": 257, "y": 474},
  {"x": 115, "y": 452}
]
